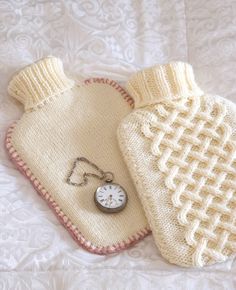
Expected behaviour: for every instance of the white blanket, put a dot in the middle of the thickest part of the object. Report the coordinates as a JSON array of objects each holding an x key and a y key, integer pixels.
[{"x": 112, "y": 39}]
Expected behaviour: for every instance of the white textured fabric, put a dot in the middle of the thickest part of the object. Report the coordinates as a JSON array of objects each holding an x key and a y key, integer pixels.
[{"x": 112, "y": 39}]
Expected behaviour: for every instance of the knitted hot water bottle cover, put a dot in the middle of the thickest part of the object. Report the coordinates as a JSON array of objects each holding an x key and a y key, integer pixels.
[
  {"x": 179, "y": 145},
  {"x": 63, "y": 121}
]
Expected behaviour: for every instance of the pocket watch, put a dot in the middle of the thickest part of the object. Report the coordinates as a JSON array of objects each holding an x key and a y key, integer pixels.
[{"x": 109, "y": 197}]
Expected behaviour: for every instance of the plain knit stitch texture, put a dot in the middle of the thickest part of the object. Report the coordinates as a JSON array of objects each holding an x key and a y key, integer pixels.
[
  {"x": 179, "y": 145},
  {"x": 62, "y": 122}
]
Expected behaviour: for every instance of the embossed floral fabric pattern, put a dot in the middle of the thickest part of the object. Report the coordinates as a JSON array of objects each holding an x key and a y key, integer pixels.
[{"x": 111, "y": 39}]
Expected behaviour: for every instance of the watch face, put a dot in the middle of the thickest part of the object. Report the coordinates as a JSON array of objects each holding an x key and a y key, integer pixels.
[{"x": 110, "y": 197}]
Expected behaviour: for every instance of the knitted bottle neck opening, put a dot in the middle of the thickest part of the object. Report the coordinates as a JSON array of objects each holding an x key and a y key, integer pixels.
[
  {"x": 163, "y": 82},
  {"x": 39, "y": 81}
]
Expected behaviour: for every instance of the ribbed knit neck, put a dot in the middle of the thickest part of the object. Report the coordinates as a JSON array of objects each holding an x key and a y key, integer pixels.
[
  {"x": 39, "y": 81},
  {"x": 163, "y": 82}
]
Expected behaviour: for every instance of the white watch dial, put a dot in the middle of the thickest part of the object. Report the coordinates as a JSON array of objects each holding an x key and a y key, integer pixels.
[{"x": 110, "y": 197}]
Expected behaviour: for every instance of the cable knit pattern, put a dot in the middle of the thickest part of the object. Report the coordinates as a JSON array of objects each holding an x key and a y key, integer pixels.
[
  {"x": 193, "y": 147},
  {"x": 78, "y": 121},
  {"x": 200, "y": 171}
]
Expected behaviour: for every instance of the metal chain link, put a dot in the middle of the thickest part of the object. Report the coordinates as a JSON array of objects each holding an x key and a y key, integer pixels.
[{"x": 106, "y": 176}]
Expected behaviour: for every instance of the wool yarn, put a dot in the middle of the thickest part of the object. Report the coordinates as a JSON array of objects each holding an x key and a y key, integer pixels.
[
  {"x": 179, "y": 145},
  {"x": 64, "y": 120}
]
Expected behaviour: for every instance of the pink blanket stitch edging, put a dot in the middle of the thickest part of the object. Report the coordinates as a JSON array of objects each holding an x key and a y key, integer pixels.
[{"x": 65, "y": 221}]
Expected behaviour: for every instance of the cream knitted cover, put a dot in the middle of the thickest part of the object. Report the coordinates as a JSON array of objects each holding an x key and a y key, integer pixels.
[
  {"x": 62, "y": 121},
  {"x": 179, "y": 145}
]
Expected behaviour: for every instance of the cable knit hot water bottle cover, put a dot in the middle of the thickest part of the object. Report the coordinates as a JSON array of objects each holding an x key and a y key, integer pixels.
[
  {"x": 179, "y": 145},
  {"x": 62, "y": 121}
]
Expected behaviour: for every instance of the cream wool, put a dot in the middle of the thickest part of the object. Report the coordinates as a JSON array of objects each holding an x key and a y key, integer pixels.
[
  {"x": 62, "y": 122},
  {"x": 179, "y": 145}
]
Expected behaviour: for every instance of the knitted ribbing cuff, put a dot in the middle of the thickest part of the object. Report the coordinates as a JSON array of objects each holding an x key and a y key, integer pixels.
[
  {"x": 39, "y": 82},
  {"x": 163, "y": 82}
]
